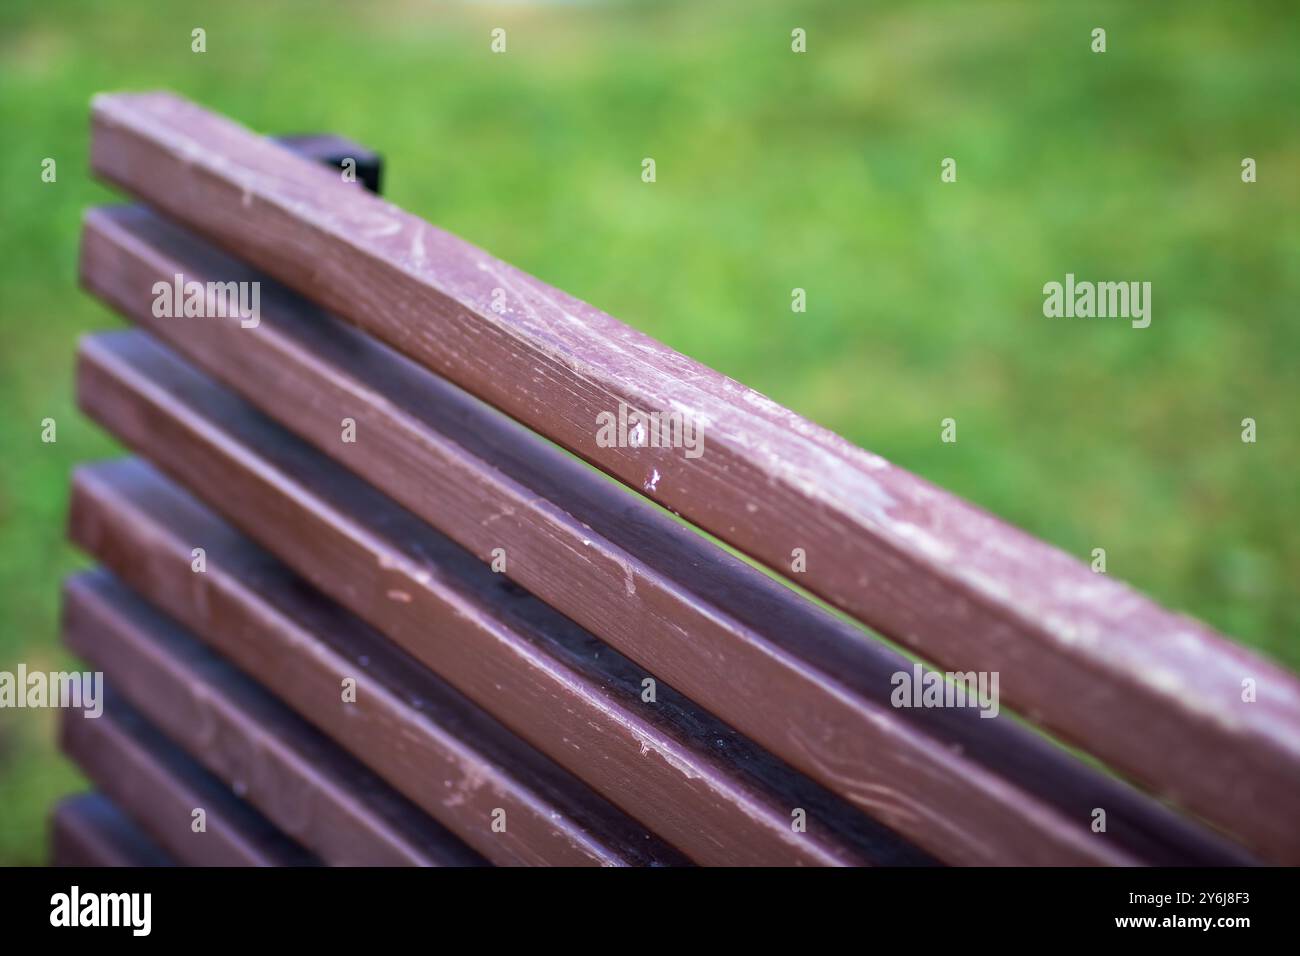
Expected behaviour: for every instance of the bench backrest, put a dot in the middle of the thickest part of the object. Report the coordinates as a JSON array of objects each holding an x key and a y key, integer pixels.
[{"x": 700, "y": 697}]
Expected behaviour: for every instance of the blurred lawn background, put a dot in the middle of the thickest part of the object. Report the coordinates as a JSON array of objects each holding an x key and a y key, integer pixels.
[{"x": 775, "y": 170}]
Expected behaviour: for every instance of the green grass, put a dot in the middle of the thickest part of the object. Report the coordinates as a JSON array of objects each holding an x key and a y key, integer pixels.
[{"x": 774, "y": 171}]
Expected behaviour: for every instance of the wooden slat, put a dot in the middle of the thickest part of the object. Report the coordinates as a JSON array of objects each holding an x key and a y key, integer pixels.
[
  {"x": 968, "y": 789},
  {"x": 426, "y": 740},
  {"x": 87, "y": 830},
  {"x": 1080, "y": 653},
  {"x": 299, "y": 780},
  {"x": 160, "y": 786},
  {"x": 694, "y": 781}
]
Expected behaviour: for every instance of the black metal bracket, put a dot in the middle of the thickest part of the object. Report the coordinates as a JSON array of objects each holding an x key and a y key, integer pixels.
[{"x": 336, "y": 151}]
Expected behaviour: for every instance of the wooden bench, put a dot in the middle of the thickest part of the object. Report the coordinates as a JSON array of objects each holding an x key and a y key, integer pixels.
[{"x": 545, "y": 667}]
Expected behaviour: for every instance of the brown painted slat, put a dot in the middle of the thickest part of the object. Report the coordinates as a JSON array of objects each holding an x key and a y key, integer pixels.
[
  {"x": 160, "y": 786},
  {"x": 1080, "y": 653},
  {"x": 694, "y": 781},
  {"x": 298, "y": 779},
  {"x": 431, "y": 744},
  {"x": 968, "y": 789},
  {"x": 87, "y": 830}
]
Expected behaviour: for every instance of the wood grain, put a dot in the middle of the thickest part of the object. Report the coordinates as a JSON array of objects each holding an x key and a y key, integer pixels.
[
  {"x": 296, "y": 778},
  {"x": 160, "y": 786},
  {"x": 969, "y": 790},
  {"x": 696, "y": 782},
  {"x": 1080, "y": 653},
  {"x": 422, "y": 737}
]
